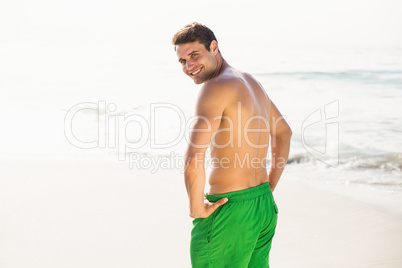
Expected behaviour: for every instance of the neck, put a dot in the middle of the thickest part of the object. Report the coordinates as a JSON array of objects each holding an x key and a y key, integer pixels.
[{"x": 219, "y": 68}]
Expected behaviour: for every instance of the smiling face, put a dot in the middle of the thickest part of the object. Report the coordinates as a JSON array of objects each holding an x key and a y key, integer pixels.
[{"x": 196, "y": 61}]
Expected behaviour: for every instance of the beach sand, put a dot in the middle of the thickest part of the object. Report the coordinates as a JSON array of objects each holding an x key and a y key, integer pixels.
[
  {"x": 64, "y": 213},
  {"x": 320, "y": 228}
]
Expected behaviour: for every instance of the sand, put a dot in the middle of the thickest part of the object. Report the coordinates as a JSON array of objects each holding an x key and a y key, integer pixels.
[
  {"x": 318, "y": 228},
  {"x": 59, "y": 213}
]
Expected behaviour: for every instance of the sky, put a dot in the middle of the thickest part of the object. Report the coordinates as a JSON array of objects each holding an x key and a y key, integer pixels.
[
  {"x": 80, "y": 50},
  {"x": 309, "y": 22}
]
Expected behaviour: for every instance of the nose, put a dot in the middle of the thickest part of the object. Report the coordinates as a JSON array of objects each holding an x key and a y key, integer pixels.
[{"x": 189, "y": 65}]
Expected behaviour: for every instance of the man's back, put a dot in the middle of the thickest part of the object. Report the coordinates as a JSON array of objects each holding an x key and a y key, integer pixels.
[{"x": 239, "y": 148}]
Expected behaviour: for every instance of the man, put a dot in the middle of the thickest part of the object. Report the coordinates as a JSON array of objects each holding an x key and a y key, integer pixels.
[{"x": 235, "y": 222}]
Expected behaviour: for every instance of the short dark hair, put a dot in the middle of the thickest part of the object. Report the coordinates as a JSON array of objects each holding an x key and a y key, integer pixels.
[{"x": 194, "y": 32}]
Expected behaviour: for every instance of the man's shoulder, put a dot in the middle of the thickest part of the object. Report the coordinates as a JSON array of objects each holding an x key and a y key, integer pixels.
[
  {"x": 227, "y": 82},
  {"x": 219, "y": 85}
]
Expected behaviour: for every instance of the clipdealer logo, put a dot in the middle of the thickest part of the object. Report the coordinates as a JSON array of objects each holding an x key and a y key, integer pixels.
[
  {"x": 112, "y": 132},
  {"x": 112, "y": 129},
  {"x": 324, "y": 148}
]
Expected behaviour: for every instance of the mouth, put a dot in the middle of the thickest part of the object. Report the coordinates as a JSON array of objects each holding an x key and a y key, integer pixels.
[{"x": 196, "y": 72}]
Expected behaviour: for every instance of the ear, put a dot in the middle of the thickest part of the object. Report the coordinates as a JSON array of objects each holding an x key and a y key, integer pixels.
[{"x": 214, "y": 48}]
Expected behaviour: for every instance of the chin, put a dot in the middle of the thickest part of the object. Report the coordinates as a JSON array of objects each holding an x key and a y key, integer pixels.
[{"x": 198, "y": 82}]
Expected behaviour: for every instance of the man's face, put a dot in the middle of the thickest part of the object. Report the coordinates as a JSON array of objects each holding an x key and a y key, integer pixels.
[{"x": 196, "y": 61}]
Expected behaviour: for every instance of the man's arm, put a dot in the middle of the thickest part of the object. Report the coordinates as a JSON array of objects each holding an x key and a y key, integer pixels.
[
  {"x": 209, "y": 110},
  {"x": 280, "y": 144}
]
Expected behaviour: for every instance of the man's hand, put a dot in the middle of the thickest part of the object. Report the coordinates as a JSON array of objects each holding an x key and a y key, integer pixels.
[{"x": 209, "y": 207}]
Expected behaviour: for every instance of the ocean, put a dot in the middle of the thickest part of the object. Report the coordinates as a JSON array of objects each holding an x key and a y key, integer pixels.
[{"x": 110, "y": 102}]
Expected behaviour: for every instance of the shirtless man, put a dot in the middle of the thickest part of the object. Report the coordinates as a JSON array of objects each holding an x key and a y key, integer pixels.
[{"x": 235, "y": 222}]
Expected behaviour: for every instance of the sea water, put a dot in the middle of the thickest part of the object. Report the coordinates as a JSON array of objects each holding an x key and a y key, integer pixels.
[{"x": 115, "y": 103}]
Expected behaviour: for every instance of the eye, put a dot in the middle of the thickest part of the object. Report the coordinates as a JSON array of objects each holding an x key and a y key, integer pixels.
[
  {"x": 193, "y": 55},
  {"x": 183, "y": 62}
]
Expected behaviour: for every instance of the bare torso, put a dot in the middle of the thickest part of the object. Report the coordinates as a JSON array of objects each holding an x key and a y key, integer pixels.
[{"x": 239, "y": 150}]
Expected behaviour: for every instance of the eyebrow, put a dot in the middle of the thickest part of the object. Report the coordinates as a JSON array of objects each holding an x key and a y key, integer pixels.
[{"x": 195, "y": 51}]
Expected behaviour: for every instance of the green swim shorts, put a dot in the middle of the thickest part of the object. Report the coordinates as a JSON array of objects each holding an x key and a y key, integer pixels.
[{"x": 237, "y": 234}]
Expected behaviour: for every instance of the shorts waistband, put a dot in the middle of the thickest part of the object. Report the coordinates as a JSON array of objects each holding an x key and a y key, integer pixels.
[{"x": 242, "y": 195}]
